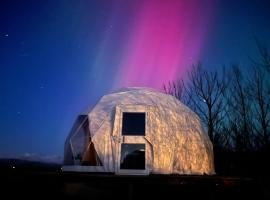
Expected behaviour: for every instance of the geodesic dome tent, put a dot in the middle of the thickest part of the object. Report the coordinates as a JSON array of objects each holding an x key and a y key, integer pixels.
[{"x": 139, "y": 131}]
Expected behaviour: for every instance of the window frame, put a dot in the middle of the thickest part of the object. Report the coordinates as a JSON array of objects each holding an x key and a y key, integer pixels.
[
  {"x": 131, "y": 133},
  {"x": 144, "y": 154},
  {"x": 121, "y": 139}
]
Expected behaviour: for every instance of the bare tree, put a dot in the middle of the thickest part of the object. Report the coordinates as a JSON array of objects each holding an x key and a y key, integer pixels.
[
  {"x": 260, "y": 92},
  {"x": 176, "y": 89},
  {"x": 264, "y": 59},
  {"x": 240, "y": 109},
  {"x": 206, "y": 90}
]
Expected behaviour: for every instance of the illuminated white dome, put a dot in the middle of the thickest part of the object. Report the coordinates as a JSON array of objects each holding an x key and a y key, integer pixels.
[{"x": 141, "y": 131}]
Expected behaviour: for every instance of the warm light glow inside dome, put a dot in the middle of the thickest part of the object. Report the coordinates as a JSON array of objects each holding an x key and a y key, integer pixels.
[{"x": 141, "y": 131}]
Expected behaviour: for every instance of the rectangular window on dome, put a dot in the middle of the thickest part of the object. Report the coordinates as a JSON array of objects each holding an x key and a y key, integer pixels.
[
  {"x": 133, "y": 123},
  {"x": 132, "y": 156}
]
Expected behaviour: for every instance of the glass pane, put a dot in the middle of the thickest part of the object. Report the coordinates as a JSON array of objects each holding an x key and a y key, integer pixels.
[
  {"x": 133, "y": 123},
  {"x": 132, "y": 156},
  {"x": 80, "y": 140},
  {"x": 69, "y": 144}
]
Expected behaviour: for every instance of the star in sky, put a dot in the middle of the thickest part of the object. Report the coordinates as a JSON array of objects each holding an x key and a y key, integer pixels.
[{"x": 62, "y": 57}]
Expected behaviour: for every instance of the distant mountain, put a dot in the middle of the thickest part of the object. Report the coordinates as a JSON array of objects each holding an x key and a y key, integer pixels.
[
  {"x": 20, "y": 164},
  {"x": 56, "y": 159},
  {"x": 47, "y": 159}
]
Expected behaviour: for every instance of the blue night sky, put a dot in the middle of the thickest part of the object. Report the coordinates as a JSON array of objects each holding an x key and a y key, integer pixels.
[{"x": 58, "y": 57}]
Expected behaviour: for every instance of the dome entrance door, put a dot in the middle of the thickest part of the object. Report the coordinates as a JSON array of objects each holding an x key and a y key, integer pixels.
[{"x": 132, "y": 147}]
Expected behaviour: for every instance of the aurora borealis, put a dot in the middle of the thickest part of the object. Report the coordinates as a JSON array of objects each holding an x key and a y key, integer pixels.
[
  {"x": 59, "y": 57},
  {"x": 152, "y": 42},
  {"x": 164, "y": 40}
]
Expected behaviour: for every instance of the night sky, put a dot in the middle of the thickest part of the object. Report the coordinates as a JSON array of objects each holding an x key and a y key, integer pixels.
[{"x": 58, "y": 57}]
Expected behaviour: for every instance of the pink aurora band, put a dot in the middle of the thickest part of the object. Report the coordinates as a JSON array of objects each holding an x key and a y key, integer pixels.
[{"x": 166, "y": 38}]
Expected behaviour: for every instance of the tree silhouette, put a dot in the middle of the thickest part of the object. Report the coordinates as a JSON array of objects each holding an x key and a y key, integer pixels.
[{"x": 260, "y": 93}]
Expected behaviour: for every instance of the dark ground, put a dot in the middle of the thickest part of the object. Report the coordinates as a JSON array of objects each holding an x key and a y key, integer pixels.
[{"x": 31, "y": 180}]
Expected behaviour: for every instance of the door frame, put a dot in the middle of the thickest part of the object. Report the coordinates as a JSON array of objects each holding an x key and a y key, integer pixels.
[{"x": 131, "y": 139}]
